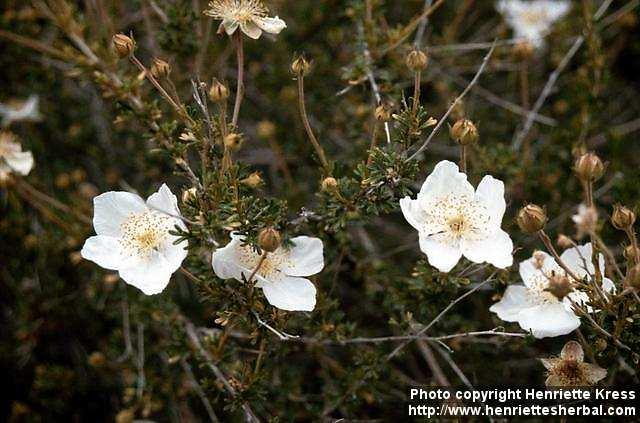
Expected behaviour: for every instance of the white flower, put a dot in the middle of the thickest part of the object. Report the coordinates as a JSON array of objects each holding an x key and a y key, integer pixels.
[
  {"x": 249, "y": 15},
  {"x": 532, "y": 19},
  {"x": 27, "y": 110},
  {"x": 453, "y": 220},
  {"x": 280, "y": 274},
  {"x": 586, "y": 220},
  {"x": 12, "y": 158},
  {"x": 133, "y": 238},
  {"x": 538, "y": 310}
]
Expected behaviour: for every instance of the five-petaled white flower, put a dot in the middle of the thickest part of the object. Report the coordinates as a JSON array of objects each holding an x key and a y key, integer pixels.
[
  {"x": 533, "y": 19},
  {"x": 133, "y": 238},
  {"x": 12, "y": 158},
  {"x": 22, "y": 111},
  {"x": 586, "y": 220},
  {"x": 570, "y": 370},
  {"x": 249, "y": 15},
  {"x": 280, "y": 274},
  {"x": 534, "y": 306},
  {"x": 452, "y": 220}
]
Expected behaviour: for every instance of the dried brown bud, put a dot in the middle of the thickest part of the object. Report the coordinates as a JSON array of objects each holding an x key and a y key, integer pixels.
[
  {"x": 559, "y": 286},
  {"x": 329, "y": 184},
  {"x": 417, "y": 60},
  {"x": 300, "y": 66},
  {"x": 464, "y": 132},
  {"x": 233, "y": 141},
  {"x": 160, "y": 69},
  {"x": 123, "y": 44},
  {"x": 622, "y": 217},
  {"x": 531, "y": 218},
  {"x": 564, "y": 241},
  {"x": 589, "y": 167},
  {"x": 218, "y": 91},
  {"x": 252, "y": 181},
  {"x": 383, "y": 113},
  {"x": 633, "y": 277},
  {"x": 266, "y": 129},
  {"x": 269, "y": 240},
  {"x": 96, "y": 359}
]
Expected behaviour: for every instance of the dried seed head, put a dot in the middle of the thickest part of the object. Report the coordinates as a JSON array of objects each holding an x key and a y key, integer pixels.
[
  {"x": 233, "y": 141},
  {"x": 383, "y": 113},
  {"x": 417, "y": 60},
  {"x": 123, "y": 44},
  {"x": 633, "y": 277},
  {"x": 464, "y": 132},
  {"x": 622, "y": 217},
  {"x": 160, "y": 69},
  {"x": 329, "y": 184},
  {"x": 252, "y": 181},
  {"x": 531, "y": 218},
  {"x": 589, "y": 167},
  {"x": 218, "y": 91},
  {"x": 269, "y": 240},
  {"x": 300, "y": 66},
  {"x": 559, "y": 286}
]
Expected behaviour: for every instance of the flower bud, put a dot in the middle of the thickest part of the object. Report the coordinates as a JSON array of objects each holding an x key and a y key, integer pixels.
[
  {"x": 531, "y": 218},
  {"x": 417, "y": 60},
  {"x": 464, "y": 132},
  {"x": 622, "y": 217},
  {"x": 329, "y": 184},
  {"x": 589, "y": 167},
  {"x": 633, "y": 277},
  {"x": 218, "y": 91},
  {"x": 300, "y": 66},
  {"x": 383, "y": 113},
  {"x": 252, "y": 181},
  {"x": 269, "y": 240},
  {"x": 123, "y": 44},
  {"x": 160, "y": 69},
  {"x": 233, "y": 141}
]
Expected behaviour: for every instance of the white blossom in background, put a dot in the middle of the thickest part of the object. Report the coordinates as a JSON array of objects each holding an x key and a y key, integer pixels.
[
  {"x": 538, "y": 310},
  {"x": 12, "y": 158},
  {"x": 23, "y": 111},
  {"x": 570, "y": 370},
  {"x": 248, "y": 15},
  {"x": 532, "y": 19},
  {"x": 133, "y": 237},
  {"x": 454, "y": 220},
  {"x": 585, "y": 220},
  {"x": 281, "y": 274}
]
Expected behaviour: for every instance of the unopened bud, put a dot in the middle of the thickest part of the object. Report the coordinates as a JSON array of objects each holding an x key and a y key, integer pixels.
[
  {"x": 252, "y": 181},
  {"x": 233, "y": 141},
  {"x": 269, "y": 240},
  {"x": 622, "y": 217},
  {"x": 123, "y": 44},
  {"x": 329, "y": 184},
  {"x": 300, "y": 66},
  {"x": 189, "y": 195},
  {"x": 383, "y": 113},
  {"x": 589, "y": 167},
  {"x": 531, "y": 218},
  {"x": 564, "y": 241},
  {"x": 464, "y": 132},
  {"x": 559, "y": 286},
  {"x": 266, "y": 129},
  {"x": 633, "y": 277},
  {"x": 417, "y": 60},
  {"x": 218, "y": 91},
  {"x": 160, "y": 69}
]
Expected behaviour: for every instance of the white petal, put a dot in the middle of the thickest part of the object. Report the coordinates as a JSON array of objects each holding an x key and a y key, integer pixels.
[
  {"x": 174, "y": 254},
  {"x": 291, "y": 294},
  {"x": 515, "y": 299},
  {"x": 151, "y": 276},
  {"x": 441, "y": 255},
  {"x": 305, "y": 257},
  {"x": 495, "y": 249},
  {"x": 608, "y": 285},
  {"x": 271, "y": 25},
  {"x": 446, "y": 179},
  {"x": 578, "y": 259},
  {"x": 547, "y": 320},
  {"x": 252, "y": 30},
  {"x": 20, "y": 162},
  {"x": 412, "y": 211},
  {"x": 490, "y": 193},
  {"x": 105, "y": 251},
  {"x": 225, "y": 261},
  {"x": 163, "y": 200},
  {"x": 112, "y": 208},
  {"x": 529, "y": 271},
  {"x": 229, "y": 26}
]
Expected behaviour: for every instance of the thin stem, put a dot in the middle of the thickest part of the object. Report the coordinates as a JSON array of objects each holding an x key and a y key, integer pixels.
[
  {"x": 240, "y": 85},
  {"x": 634, "y": 243},
  {"x": 463, "y": 158},
  {"x": 416, "y": 94},
  {"x": 374, "y": 141},
  {"x": 549, "y": 245},
  {"x": 28, "y": 192},
  {"x": 307, "y": 126}
]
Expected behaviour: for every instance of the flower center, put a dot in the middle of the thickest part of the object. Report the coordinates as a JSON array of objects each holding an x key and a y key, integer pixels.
[
  {"x": 570, "y": 373},
  {"x": 240, "y": 11},
  {"x": 533, "y": 17},
  {"x": 144, "y": 232},
  {"x": 270, "y": 267},
  {"x": 455, "y": 217}
]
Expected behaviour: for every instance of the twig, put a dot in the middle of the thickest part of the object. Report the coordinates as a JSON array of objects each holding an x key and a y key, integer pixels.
[
  {"x": 140, "y": 361},
  {"x": 455, "y": 102},
  {"x": 198, "y": 389},
  {"x": 240, "y": 82},
  {"x": 282, "y": 335},
  {"x": 126, "y": 326},
  {"x": 428, "y": 356},
  {"x": 307, "y": 126}
]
